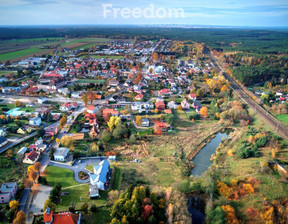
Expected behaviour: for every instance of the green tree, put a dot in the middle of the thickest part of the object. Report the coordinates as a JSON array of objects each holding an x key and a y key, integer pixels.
[{"x": 50, "y": 204}]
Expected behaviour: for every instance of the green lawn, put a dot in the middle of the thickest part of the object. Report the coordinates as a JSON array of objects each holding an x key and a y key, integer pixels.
[
  {"x": 102, "y": 216},
  {"x": 21, "y": 53},
  {"x": 78, "y": 194},
  {"x": 95, "y": 40},
  {"x": 90, "y": 81},
  {"x": 283, "y": 117}
]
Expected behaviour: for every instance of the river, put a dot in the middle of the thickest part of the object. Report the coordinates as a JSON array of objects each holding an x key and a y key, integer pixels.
[{"x": 202, "y": 160}]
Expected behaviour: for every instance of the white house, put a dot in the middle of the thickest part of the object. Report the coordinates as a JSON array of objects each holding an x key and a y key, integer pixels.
[
  {"x": 148, "y": 105},
  {"x": 136, "y": 106},
  {"x": 92, "y": 109},
  {"x": 60, "y": 154},
  {"x": 36, "y": 121},
  {"x": 99, "y": 177},
  {"x": 22, "y": 151},
  {"x": 68, "y": 106},
  {"x": 145, "y": 122},
  {"x": 42, "y": 100},
  {"x": 7, "y": 192},
  {"x": 172, "y": 105},
  {"x": 185, "y": 105}
]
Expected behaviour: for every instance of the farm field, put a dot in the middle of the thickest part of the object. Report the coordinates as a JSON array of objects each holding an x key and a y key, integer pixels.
[{"x": 14, "y": 49}]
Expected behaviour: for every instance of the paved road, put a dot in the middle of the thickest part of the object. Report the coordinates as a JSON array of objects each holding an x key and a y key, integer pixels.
[
  {"x": 8, "y": 146},
  {"x": 265, "y": 115},
  {"x": 78, "y": 166}
]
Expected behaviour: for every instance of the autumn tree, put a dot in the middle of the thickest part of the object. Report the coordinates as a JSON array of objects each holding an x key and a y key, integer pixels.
[
  {"x": 84, "y": 99},
  {"x": 112, "y": 123},
  {"x": 33, "y": 175},
  {"x": 67, "y": 141},
  {"x": 107, "y": 117},
  {"x": 20, "y": 218},
  {"x": 204, "y": 112},
  {"x": 30, "y": 168},
  {"x": 138, "y": 120},
  {"x": 14, "y": 205},
  {"x": 37, "y": 166},
  {"x": 94, "y": 147},
  {"x": 63, "y": 121}
]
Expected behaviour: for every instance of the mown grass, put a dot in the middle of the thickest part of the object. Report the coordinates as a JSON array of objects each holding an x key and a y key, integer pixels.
[
  {"x": 283, "y": 117},
  {"x": 78, "y": 194},
  {"x": 102, "y": 216}
]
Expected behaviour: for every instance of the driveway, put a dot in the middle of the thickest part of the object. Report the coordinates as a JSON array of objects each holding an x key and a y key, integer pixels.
[
  {"x": 41, "y": 196},
  {"x": 78, "y": 166}
]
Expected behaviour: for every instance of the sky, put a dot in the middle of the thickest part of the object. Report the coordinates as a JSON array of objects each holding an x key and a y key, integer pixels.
[{"x": 190, "y": 12}]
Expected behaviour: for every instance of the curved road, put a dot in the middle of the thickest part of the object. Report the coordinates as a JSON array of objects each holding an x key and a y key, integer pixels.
[{"x": 265, "y": 115}]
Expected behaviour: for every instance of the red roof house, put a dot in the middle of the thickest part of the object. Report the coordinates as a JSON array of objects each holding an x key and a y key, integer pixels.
[
  {"x": 139, "y": 97},
  {"x": 110, "y": 111},
  {"x": 160, "y": 105}
]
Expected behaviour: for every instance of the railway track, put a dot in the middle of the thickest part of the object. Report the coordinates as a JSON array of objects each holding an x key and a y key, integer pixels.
[{"x": 279, "y": 128}]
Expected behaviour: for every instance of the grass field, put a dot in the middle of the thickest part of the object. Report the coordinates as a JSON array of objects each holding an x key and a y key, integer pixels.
[
  {"x": 3, "y": 73},
  {"x": 90, "y": 81},
  {"x": 102, "y": 216},
  {"x": 21, "y": 53},
  {"x": 283, "y": 117},
  {"x": 77, "y": 193},
  {"x": 88, "y": 40}
]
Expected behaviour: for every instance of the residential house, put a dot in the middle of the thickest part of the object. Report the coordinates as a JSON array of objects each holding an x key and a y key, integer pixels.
[
  {"x": 95, "y": 131},
  {"x": 168, "y": 111},
  {"x": 75, "y": 95},
  {"x": 35, "y": 121},
  {"x": 61, "y": 154},
  {"x": 51, "y": 131},
  {"x": 3, "y": 131},
  {"x": 31, "y": 157},
  {"x": 192, "y": 96},
  {"x": 3, "y": 141},
  {"x": 164, "y": 92},
  {"x": 93, "y": 191},
  {"x": 185, "y": 105},
  {"x": 136, "y": 106},
  {"x": 196, "y": 104},
  {"x": 172, "y": 105},
  {"x": 100, "y": 175},
  {"x": 68, "y": 106},
  {"x": 145, "y": 122},
  {"x": 22, "y": 151},
  {"x": 7, "y": 192},
  {"x": 160, "y": 105},
  {"x": 110, "y": 111},
  {"x": 161, "y": 125},
  {"x": 113, "y": 83},
  {"x": 139, "y": 97},
  {"x": 61, "y": 218},
  {"x": 24, "y": 130},
  {"x": 42, "y": 100},
  {"x": 93, "y": 109},
  {"x": 148, "y": 105}
]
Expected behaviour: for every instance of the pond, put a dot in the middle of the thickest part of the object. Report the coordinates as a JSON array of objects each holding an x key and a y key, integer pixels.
[{"x": 202, "y": 160}]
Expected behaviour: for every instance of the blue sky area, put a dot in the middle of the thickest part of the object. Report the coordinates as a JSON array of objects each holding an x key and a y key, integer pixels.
[{"x": 201, "y": 12}]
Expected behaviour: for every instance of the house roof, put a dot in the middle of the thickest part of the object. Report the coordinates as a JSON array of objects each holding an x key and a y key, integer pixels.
[
  {"x": 33, "y": 155},
  {"x": 2, "y": 139},
  {"x": 65, "y": 217},
  {"x": 110, "y": 111},
  {"x": 61, "y": 151},
  {"x": 101, "y": 171},
  {"x": 7, "y": 187}
]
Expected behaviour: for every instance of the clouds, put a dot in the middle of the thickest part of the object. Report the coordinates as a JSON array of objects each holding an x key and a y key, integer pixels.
[{"x": 204, "y": 12}]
